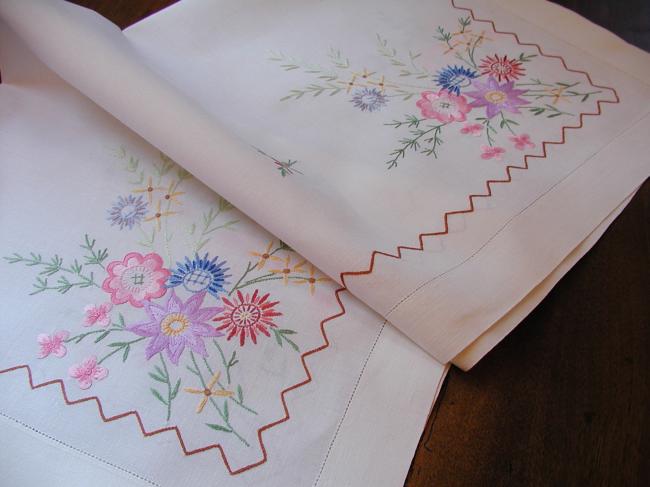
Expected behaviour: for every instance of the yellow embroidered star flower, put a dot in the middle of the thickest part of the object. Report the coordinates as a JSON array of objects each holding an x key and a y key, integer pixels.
[
  {"x": 209, "y": 391},
  {"x": 171, "y": 195},
  {"x": 149, "y": 189},
  {"x": 287, "y": 268},
  {"x": 311, "y": 280},
  {"x": 263, "y": 256},
  {"x": 158, "y": 215}
]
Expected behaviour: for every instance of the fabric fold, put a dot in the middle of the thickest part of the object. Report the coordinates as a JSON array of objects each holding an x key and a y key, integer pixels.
[{"x": 433, "y": 218}]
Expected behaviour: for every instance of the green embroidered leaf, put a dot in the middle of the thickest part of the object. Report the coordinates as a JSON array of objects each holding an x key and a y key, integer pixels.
[
  {"x": 157, "y": 377},
  {"x": 217, "y": 427},
  {"x": 174, "y": 392},
  {"x": 240, "y": 394},
  {"x": 120, "y": 321},
  {"x": 285, "y": 331},
  {"x": 117, "y": 344},
  {"x": 102, "y": 336},
  {"x": 226, "y": 413},
  {"x": 158, "y": 396},
  {"x": 127, "y": 349},
  {"x": 160, "y": 371}
]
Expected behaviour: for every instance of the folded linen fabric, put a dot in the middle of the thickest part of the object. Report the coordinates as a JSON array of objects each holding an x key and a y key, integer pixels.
[
  {"x": 411, "y": 162},
  {"x": 442, "y": 167}
]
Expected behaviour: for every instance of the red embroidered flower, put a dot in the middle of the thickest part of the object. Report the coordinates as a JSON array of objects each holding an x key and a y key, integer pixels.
[
  {"x": 501, "y": 68},
  {"x": 443, "y": 106},
  {"x": 247, "y": 315},
  {"x": 488, "y": 152}
]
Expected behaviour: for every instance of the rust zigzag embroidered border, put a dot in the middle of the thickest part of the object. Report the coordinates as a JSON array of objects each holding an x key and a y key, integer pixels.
[{"x": 369, "y": 270}]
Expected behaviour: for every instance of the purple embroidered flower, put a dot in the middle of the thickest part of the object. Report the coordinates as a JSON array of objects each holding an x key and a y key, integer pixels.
[
  {"x": 127, "y": 211},
  {"x": 177, "y": 325},
  {"x": 496, "y": 97},
  {"x": 369, "y": 99}
]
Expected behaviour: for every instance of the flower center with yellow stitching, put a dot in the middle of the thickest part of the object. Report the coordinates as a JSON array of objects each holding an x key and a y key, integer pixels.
[
  {"x": 174, "y": 324},
  {"x": 495, "y": 97}
]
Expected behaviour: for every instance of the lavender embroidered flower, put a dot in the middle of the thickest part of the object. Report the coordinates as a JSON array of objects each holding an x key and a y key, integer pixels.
[
  {"x": 127, "y": 211},
  {"x": 369, "y": 99},
  {"x": 453, "y": 78},
  {"x": 176, "y": 325},
  {"x": 496, "y": 97},
  {"x": 200, "y": 274}
]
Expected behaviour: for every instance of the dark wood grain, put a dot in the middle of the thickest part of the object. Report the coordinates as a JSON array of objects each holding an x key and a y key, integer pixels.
[{"x": 564, "y": 400}]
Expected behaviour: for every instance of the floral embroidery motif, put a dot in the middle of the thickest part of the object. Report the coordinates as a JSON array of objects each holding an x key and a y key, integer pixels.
[
  {"x": 497, "y": 83},
  {"x": 88, "y": 371},
  {"x": 136, "y": 279},
  {"x": 488, "y": 152},
  {"x": 52, "y": 344},
  {"x": 502, "y": 68},
  {"x": 286, "y": 271},
  {"x": 97, "y": 315},
  {"x": 176, "y": 325},
  {"x": 369, "y": 99},
  {"x": 311, "y": 280},
  {"x": 200, "y": 274},
  {"x": 453, "y": 78},
  {"x": 474, "y": 129},
  {"x": 522, "y": 141},
  {"x": 496, "y": 97},
  {"x": 286, "y": 168},
  {"x": 247, "y": 315},
  {"x": 444, "y": 106},
  {"x": 208, "y": 391},
  {"x": 127, "y": 211}
]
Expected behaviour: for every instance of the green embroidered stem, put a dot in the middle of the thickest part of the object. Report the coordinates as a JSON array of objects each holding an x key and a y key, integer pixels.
[
  {"x": 489, "y": 129},
  {"x": 240, "y": 393},
  {"x": 124, "y": 347},
  {"x": 103, "y": 333},
  {"x": 96, "y": 257},
  {"x": 208, "y": 220},
  {"x": 280, "y": 336},
  {"x": 507, "y": 123},
  {"x": 413, "y": 143},
  {"x": 549, "y": 110},
  {"x": 55, "y": 266},
  {"x": 223, "y": 412},
  {"x": 162, "y": 375},
  {"x": 227, "y": 365}
]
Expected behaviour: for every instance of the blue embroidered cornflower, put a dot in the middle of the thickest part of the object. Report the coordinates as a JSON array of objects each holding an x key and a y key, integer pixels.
[
  {"x": 370, "y": 99},
  {"x": 200, "y": 274},
  {"x": 452, "y": 78},
  {"x": 127, "y": 211}
]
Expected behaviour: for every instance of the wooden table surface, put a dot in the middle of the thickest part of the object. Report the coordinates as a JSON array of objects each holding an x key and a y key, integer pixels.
[{"x": 564, "y": 399}]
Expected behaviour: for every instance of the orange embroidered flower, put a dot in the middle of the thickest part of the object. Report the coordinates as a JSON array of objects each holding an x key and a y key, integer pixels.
[
  {"x": 158, "y": 215},
  {"x": 172, "y": 195},
  {"x": 287, "y": 269},
  {"x": 149, "y": 189},
  {"x": 263, "y": 256},
  {"x": 311, "y": 280},
  {"x": 208, "y": 391}
]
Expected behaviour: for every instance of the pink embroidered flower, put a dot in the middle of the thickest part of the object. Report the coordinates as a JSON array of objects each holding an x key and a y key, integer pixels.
[
  {"x": 474, "y": 129},
  {"x": 522, "y": 142},
  {"x": 52, "y": 344},
  {"x": 97, "y": 315},
  {"x": 176, "y": 325},
  {"x": 488, "y": 152},
  {"x": 443, "y": 106},
  {"x": 87, "y": 371},
  {"x": 136, "y": 279}
]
